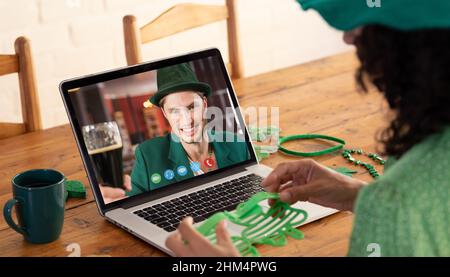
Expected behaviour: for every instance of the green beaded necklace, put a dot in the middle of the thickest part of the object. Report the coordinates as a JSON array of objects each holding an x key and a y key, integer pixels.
[{"x": 346, "y": 153}]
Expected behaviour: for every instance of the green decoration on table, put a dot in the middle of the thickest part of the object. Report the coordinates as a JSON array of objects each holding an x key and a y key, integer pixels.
[
  {"x": 260, "y": 225},
  {"x": 260, "y": 155},
  {"x": 265, "y": 140},
  {"x": 266, "y": 134},
  {"x": 311, "y": 136},
  {"x": 345, "y": 171},
  {"x": 372, "y": 171},
  {"x": 75, "y": 189},
  {"x": 346, "y": 153}
]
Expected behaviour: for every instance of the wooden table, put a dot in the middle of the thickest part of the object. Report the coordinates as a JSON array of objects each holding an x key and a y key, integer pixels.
[{"x": 318, "y": 97}]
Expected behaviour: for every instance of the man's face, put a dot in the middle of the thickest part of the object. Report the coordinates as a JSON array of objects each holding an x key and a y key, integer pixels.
[{"x": 184, "y": 111}]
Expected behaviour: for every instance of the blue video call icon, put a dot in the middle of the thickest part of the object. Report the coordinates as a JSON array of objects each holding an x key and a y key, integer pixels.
[
  {"x": 195, "y": 166},
  {"x": 169, "y": 174},
  {"x": 182, "y": 170}
]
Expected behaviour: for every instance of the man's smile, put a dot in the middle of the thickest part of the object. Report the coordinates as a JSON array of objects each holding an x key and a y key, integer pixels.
[{"x": 188, "y": 130}]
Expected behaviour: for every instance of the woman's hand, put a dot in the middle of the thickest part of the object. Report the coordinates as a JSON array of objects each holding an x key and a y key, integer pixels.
[
  {"x": 111, "y": 194},
  {"x": 307, "y": 180},
  {"x": 188, "y": 242}
]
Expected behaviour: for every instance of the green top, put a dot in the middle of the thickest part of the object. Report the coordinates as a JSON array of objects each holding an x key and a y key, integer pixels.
[
  {"x": 406, "y": 211},
  {"x": 162, "y": 153}
]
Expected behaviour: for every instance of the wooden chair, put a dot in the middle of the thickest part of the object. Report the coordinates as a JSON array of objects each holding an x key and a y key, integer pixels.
[
  {"x": 180, "y": 18},
  {"x": 22, "y": 64}
]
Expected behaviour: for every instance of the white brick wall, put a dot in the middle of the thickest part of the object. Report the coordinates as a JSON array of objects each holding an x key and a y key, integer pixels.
[
  {"x": 56, "y": 11},
  {"x": 18, "y": 14},
  {"x": 76, "y": 37}
]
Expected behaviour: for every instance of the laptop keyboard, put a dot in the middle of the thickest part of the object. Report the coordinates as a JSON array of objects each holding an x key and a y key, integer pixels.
[{"x": 203, "y": 203}]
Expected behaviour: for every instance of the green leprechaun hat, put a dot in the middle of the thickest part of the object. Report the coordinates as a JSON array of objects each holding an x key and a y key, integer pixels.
[{"x": 177, "y": 78}]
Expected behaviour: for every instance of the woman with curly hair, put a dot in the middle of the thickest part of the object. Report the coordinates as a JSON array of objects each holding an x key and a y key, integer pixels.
[{"x": 404, "y": 50}]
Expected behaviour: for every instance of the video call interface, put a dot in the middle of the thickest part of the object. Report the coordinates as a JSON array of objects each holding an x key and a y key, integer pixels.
[{"x": 153, "y": 129}]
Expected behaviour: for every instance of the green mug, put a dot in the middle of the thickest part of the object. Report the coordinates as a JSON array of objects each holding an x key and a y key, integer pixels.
[{"x": 39, "y": 199}]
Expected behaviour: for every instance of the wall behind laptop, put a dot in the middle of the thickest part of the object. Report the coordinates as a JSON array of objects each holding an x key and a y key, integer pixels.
[{"x": 75, "y": 37}]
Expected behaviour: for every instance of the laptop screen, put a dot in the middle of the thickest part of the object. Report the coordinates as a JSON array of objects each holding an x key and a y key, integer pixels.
[{"x": 155, "y": 128}]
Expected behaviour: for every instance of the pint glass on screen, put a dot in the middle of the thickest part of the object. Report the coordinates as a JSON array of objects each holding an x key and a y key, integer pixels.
[{"x": 104, "y": 145}]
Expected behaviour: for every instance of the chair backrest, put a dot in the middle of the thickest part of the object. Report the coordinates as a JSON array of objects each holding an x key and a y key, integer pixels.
[
  {"x": 180, "y": 18},
  {"x": 22, "y": 63}
]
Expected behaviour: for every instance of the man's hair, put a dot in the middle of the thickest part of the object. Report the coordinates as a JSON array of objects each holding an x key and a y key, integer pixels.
[{"x": 412, "y": 70}]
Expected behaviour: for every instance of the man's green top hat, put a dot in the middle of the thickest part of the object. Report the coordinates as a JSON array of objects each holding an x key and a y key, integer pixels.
[
  {"x": 403, "y": 15},
  {"x": 177, "y": 78}
]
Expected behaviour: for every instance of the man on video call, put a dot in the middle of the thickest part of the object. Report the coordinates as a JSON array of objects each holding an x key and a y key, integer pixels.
[{"x": 189, "y": 150}]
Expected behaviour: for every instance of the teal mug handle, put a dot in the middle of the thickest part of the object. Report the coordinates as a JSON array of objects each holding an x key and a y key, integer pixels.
[{"x": 7, "y": 215}]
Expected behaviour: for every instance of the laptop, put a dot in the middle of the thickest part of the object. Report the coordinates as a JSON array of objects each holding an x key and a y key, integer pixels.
[{"x": 163, "y": 140}]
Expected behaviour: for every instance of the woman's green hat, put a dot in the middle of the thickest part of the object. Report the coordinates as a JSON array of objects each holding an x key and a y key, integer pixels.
[
  {"x": 177, "y": 78},
  {"x": 404, "y": 15}
]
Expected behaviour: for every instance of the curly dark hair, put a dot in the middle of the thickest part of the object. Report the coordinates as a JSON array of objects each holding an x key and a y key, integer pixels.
[{"x": 412, "y": 70}]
